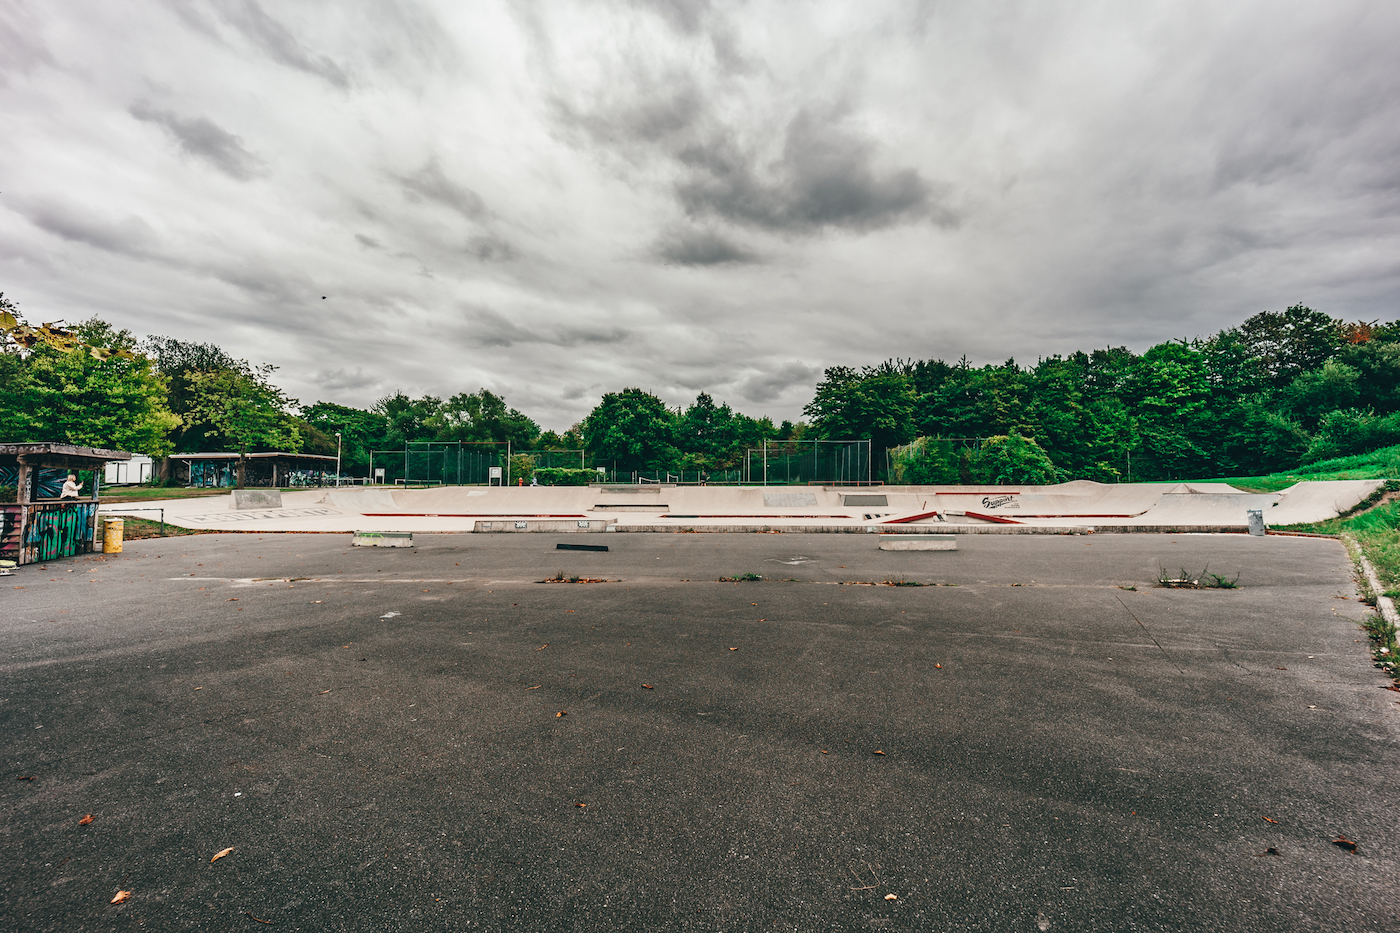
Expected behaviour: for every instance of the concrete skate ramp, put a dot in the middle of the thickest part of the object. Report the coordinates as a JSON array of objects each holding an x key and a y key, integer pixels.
[
  {"x": 1080, "y": 504},
  {"x": 1319, "y": 501}
]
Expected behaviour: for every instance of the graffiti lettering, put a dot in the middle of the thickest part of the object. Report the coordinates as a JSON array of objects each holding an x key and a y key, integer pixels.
[
  {"x": 996, "y": 502},
  {"x": 59, "y": 530}
]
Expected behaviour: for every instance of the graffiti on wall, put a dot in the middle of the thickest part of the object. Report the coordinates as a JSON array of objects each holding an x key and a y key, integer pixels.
[
  {"x": 59, "y": 530},
  {"x": 9, "y": 532}
]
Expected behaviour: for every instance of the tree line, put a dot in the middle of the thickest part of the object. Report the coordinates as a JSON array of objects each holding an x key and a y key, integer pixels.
[{"x": 1280, "y": 389}]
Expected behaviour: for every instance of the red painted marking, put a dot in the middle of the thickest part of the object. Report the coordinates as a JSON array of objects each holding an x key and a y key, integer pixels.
[
  {"x": 908, "y": 518},
  {"x": 766, "y": 515},
  {"x": 993, "y": 518},
  {"x": 462, "y": 515}
]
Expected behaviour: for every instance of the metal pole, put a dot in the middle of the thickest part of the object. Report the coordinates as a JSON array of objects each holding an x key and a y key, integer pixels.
[
  {"x": 337, "y": 459},
  {"x": 765, "y": 461}
]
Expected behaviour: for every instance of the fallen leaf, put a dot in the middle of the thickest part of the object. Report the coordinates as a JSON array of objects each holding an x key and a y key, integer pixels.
[
  {"x": 535, "y": 687},
  {"x": 231, "y": 599},
  {"x": 939, "y": 666},
  {"x": 121, "y": 896},
  {"x": 323, "y": 693},
  {"x": 25, "y": 777},
  {"x": 249, "y": 914},
  {"x": 220, "y": 854},
  {"x": 543, "y": 646},
  {"x": 580, "y": 804},
  {"x": 825, "y": 752},
  {"x": 1280, "y": 668},
  {"x": 891, "y": 897},
  {"x": 648, "y": 687},
  {"x": 562, "y": 712},
  {"x": 85, "y": 820},
  {"x": 1269, "y": 851},
  {"x": 733, "y": 649},
  {"x": 1267, "y": 820},
  {"x": 877, "y": 752},
  {"x": 1342, "y": 842},
  {"x": 763, "y": 620}
]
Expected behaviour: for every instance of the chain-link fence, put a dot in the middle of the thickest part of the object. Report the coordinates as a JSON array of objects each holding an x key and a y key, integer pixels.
[{"x": 837, "y": 463}]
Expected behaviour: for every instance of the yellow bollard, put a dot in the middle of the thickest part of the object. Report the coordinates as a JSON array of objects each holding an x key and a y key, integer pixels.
[{"x": 112, "y": 536}]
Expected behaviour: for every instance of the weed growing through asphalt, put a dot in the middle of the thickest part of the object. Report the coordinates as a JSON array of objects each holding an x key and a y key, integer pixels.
[
  {"x": 1205, "y": 580},
  {"x": 560, "y": 577},
  {"x": 742, "y": 578},
  {"x": 1383, "y": 647},
  {"x": 891, "y": 581}
]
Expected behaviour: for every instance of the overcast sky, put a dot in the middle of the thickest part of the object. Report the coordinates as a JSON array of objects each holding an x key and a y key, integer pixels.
[{"x": 560, "y": 198}]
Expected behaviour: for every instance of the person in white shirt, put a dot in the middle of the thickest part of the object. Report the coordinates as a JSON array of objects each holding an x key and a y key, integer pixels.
[{"x": 70, "y": 488}]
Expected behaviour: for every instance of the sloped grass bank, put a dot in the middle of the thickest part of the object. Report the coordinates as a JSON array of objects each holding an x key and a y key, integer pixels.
[{"x": 1378, "y": 464}]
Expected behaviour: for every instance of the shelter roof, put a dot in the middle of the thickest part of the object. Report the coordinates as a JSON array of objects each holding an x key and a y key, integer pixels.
[{"x": 51, "y": 454}]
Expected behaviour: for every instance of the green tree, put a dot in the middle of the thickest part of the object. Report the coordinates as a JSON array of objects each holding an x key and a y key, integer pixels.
[
  {"x": 361, "y": 432},
  {"x": 245, "y": 407},
  {"x": 481, "y": 416},
  {"x": 633, "y": 429},
  {"x": 82, "y": 385},
  {"x": 872, "y": 404},
  {"x": 1009, "y": 460}
]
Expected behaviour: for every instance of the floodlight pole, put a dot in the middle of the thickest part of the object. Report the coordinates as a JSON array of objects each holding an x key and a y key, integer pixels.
[{"x": 337, "y": 459}]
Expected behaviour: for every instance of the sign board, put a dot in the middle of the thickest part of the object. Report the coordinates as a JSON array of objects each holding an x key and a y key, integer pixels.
[
  {"x": 493, "y": 472},
  {"x": 379, "y": 474}
]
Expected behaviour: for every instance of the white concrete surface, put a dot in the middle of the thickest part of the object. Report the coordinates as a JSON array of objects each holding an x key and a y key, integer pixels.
[{"x": 909, "y": 509}]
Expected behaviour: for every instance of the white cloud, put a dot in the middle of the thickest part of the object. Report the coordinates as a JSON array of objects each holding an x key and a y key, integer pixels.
[{"x": 559, "y": 198}]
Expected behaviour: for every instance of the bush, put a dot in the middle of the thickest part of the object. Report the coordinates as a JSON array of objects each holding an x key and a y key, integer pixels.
[
  {"x": 1012, "y": 460},
  {"x": 563, "y": 476},
  {"x": 9, "y": 493},
  {"x": 1352, "y": 431},
  {"x": 928, "y": 461}
]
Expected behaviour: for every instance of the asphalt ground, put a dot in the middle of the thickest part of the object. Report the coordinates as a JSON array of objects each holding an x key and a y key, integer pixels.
[{"x": 428, "y": 739}]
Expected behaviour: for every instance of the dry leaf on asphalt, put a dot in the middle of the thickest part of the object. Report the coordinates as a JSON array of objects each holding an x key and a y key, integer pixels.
[
  {"x": 543, "y": 646},
  {"x": 221, "y": 853},
  {"x": 1267, "y": 820},
  {"x": 891, "y": 897},
  {"x": 877, "y": 752},
  {"x": 121, "y": 896},
  {"x": 580, "y": 804},
  {"x": 562, "y": 712},
  {"x": 1342, "y": 842},
  {"x": 648, "y": 687},
  {"x": 85, "y": 820}
]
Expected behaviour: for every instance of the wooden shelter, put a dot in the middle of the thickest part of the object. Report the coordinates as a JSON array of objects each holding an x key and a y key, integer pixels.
[{"x": 38, "y": 525}]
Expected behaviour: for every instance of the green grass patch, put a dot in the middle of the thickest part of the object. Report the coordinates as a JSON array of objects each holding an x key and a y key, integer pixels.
[
  {"x": 136, "y": 528},
  {"x": 114, "y": 494},
  {"x": 742, "y": 578},
  {"x": 1378, "y": 464}
]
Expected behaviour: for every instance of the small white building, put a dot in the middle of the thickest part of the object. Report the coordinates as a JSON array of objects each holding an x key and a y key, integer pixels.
[{"x": 127, "y": 472}]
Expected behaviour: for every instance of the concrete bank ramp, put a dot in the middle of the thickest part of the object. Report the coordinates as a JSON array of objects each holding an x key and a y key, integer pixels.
[{"x": 1318, "y": 501}]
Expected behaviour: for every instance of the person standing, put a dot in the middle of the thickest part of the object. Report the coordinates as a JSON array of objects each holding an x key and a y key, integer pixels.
[{"x": 70, "y": 488}]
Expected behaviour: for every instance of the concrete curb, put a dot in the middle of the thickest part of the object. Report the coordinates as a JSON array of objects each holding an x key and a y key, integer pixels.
[{"x": 1383, "y": 603}]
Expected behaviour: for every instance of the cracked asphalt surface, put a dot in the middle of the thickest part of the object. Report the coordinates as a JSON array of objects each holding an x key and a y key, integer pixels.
[{"x": 428, "y": 738}]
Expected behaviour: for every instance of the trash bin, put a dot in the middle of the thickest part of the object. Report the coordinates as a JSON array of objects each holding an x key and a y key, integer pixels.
[
  {"x": 112, "y": 536},
  {"x": 1256, "y": 521}
]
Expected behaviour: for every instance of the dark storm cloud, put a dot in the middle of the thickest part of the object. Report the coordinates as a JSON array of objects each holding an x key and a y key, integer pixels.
[
  {"x": 276, "y": 41},
  {"x": 492, "y": 249},
  {"x": 430, "y": 183},
  {"x": 490, "y": 329},
  {"x": 344, "y": 380},
  {"x": 702, "y": 248},
  {"x": 130, "y": 236},
  {"x": 772, "y": 384},
  {"x": 204, "y": 139},
  {"x": 827, "y": 177},
  {"x": 686, "y": 16}
]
